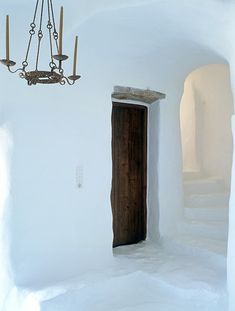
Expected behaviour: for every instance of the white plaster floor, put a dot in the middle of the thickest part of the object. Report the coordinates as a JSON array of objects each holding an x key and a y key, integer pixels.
[
  {"x": 186, "y": 272},
  {"x": 147, "y": 277}
]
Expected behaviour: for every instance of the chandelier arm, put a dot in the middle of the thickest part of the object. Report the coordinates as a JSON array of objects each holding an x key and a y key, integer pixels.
[
  {"x": 40, "y": 35},
  {"x": 14, "y": 71},
  {"x": 65, "y": 79},
  {"x": 54, "y": 25}
]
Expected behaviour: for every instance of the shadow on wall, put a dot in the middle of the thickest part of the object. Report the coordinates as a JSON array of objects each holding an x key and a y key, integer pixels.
[
  {"x": 5, "y": 281},
  {"x": 205, "y": 113}
]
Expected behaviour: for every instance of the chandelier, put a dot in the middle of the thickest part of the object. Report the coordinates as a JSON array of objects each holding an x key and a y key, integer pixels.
[{"x": 55, "y": 72}]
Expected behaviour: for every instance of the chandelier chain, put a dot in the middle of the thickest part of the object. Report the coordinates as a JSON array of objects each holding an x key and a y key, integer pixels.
[
  {"x": 49, "y": 26},
  {"x": 35, "y": 12},
  {"x": 55, "y": 33},
  {"x": 31, "y": 32},
  {"x": 40, "y": 35}
]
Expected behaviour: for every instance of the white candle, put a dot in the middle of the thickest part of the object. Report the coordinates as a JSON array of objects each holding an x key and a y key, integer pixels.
[
  {"x": 75, "y": 56},
  {"x": 61, "y": 30},
  {"x": 7, "y": 39}
]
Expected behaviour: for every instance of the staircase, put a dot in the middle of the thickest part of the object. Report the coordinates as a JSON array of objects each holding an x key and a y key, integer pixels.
[{"x": 204, "y": 229}]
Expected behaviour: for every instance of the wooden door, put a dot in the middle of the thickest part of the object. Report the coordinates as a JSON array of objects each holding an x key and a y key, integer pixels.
[{"x": 129, "y": 151}]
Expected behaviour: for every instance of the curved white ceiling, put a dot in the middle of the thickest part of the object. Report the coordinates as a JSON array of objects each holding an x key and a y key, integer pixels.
[
  {"x": 167, "y": 36},
  {"x": 170, "y": 40}
]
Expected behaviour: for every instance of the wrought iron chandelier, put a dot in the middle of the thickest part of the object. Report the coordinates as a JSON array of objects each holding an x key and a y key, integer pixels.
[{"x": 55, "y": 71}]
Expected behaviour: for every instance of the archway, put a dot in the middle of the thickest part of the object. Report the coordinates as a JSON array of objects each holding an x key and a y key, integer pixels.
[{"x": 206, "y": 111}]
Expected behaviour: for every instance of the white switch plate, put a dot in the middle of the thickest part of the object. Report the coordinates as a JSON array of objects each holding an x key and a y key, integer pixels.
[{"x": 79, "y": 177}]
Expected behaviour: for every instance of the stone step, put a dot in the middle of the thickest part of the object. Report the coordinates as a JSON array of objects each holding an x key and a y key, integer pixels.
[
  {"x": 206, "y": 213},
  {"x": 206, "y": 200},
  {"x": 205, "y": 229},
  {"x": 204, "y": 186},
  {"x": 191, "y": 175},
  {"x": 212, "y": 250}
]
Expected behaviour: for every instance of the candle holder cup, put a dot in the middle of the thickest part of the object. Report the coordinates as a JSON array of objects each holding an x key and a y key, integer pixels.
[
  {"x": 60, "y": 57},
  {"x": 8, "y": 62},
  {"x": 74, "y": 77}
]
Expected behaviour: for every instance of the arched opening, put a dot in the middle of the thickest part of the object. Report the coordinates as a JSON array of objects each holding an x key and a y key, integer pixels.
[{"x": 207, "y": 147}]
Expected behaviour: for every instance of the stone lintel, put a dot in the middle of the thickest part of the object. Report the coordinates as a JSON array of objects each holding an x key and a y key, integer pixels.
[{"x": 130, "y": 93}]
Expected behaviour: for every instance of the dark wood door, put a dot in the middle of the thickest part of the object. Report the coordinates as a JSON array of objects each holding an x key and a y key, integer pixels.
[{"x": 129, "y": 151}]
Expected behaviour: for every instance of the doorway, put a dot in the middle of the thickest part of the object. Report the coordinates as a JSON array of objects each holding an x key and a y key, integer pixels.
[
  {"x": 129, "y": 183},
  {"x": 207, "y": 148}
]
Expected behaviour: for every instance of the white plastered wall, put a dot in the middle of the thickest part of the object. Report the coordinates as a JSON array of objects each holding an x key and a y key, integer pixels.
[
  {"x": 231, "y": 240},
  {"x": 153, "y": 153},
  {"x": 188, "y": 128}
]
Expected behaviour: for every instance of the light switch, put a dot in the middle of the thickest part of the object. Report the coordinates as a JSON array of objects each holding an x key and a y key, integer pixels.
[{"x": 79, "y": 176}]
